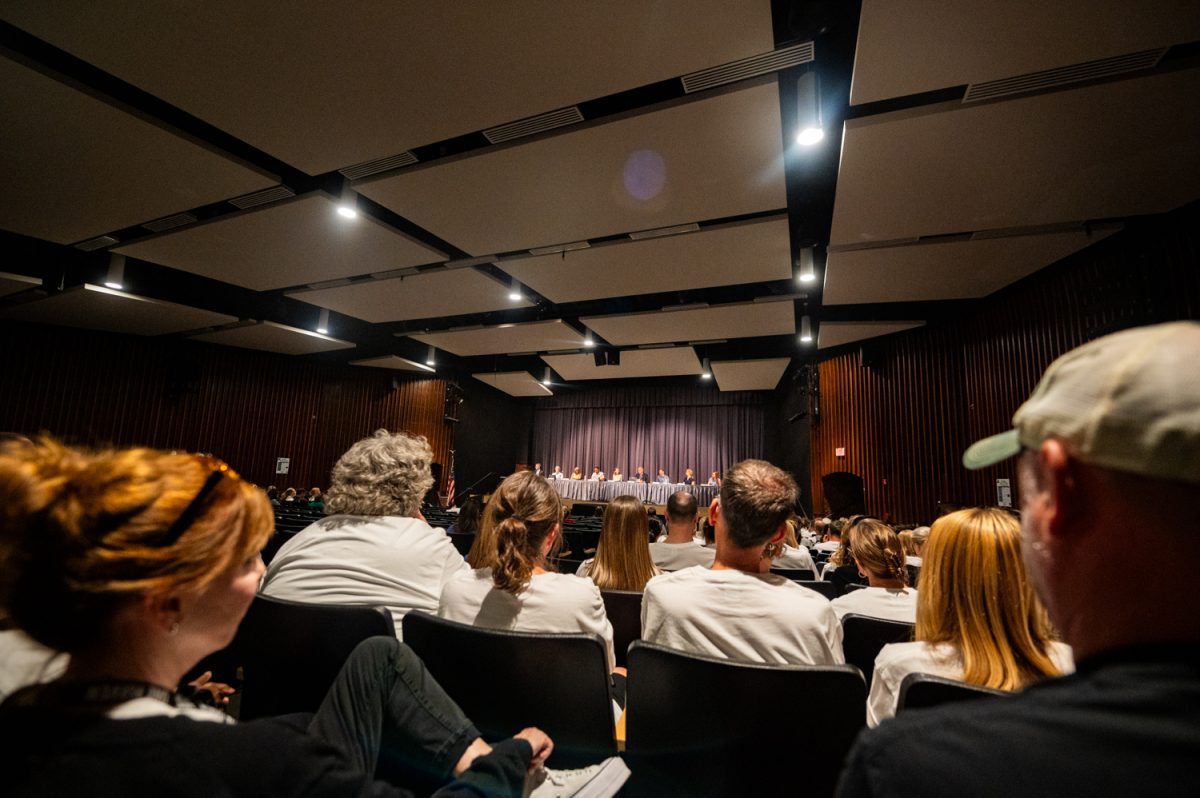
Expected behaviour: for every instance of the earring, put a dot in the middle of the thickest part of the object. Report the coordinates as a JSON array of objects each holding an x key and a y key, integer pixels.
[
  {"x": 174, "y": 630},
  {"x": 771, "y": 550}
]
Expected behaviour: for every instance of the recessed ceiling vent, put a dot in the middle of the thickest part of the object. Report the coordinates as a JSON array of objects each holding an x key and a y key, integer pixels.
[
  {"x": 262, "y": 197},
  {"x": 93, "y": 244},
  {"x": 665, "y": 231},
  {"x": 169, "y": 222},
  {"x": 554, "y": 250},
  {"x": 534, "y": 124},
  {"x": 378, "y": 166},
  {"x": 1063, "y": 76},
  {"x": 748, "y": 67}
]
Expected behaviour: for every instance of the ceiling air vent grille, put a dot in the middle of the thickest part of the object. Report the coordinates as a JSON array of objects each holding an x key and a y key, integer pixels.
[
  {"x": 534, "y": 124},
  {"x": 665, "y": 231},
  {"x": 1063, "y": 76},
  {"x": 169, "y": 222},
  {"x": 99, "y": 242},
  {"x": 748, "y": 67},
  {"x": 262, "y": 197},
  {"x": 378, "y": 166}
]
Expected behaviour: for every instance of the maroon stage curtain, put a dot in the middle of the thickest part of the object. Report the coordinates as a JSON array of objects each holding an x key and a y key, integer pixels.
[{"x": 656, "y": 427}]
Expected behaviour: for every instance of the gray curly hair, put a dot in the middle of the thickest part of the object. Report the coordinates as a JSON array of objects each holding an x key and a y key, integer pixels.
[{"x": 385, "y": 474}]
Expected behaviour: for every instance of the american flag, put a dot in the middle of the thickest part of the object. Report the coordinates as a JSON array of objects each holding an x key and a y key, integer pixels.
[{"x": 450, "y": 490}]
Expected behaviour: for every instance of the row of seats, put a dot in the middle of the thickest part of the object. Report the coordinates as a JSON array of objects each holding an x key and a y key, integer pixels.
[{"x": 692, "y": 721}]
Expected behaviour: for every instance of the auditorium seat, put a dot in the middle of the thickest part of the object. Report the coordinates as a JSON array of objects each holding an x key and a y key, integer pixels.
[
  {"x": 462, "y": 541},
  {"x": 863, "y": 637},
  {"x": 505, "y": 681},
  {"x": 826, "y": 589},
  {"x": 921, "y": 690},
  {"x": 624, "y": 611},
  {"x": 795, "y": 574},
  {"x": 703, "y": 726}
]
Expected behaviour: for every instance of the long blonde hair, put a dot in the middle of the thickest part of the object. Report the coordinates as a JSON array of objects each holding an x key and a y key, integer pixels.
[
  {"x": 976, "y": 597},
  {"x": 523, "y": 511},
  {"x": 623, "y": 559}
]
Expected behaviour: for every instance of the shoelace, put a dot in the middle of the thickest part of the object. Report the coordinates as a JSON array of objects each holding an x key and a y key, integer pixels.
[{"x": 560, "y": 777}]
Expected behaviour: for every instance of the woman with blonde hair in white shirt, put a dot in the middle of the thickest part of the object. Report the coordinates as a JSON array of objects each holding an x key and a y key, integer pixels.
[
  {"x": 877, "y": 554},
  {"x": 978, "y": 618},
  {"x": 793, "y": 556},
  {"x": 622, "y": 560}
]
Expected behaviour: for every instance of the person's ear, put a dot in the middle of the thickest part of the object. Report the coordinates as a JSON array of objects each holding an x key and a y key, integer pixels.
[
  {"x": 714, "y": 510},
  {"x": 1058, "y": 487},
  {"x": 162, "y": 610},
  {"x": 779, "y": 533}
]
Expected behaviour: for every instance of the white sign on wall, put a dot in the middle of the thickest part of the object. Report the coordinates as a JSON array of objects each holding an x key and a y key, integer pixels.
[
  {"x": 839, "y": 451},
  {"x": 282, "y": 464},
  {"x": 1003, "y": 493}
]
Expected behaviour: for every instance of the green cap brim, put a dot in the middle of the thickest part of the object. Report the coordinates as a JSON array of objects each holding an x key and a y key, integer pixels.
[{"x": 990, "y": 451}]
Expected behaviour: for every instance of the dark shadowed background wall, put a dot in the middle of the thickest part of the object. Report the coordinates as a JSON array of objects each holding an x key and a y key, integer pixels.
[{"x": 905, "y": 420}]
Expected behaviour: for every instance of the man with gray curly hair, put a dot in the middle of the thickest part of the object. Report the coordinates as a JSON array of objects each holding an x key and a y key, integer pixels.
[{"x": 374, "y": 547}]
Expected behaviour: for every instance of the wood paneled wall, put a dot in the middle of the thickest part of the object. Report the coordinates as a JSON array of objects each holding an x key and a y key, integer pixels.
[
  {"x": 931, "y": 392},
  {"x": 246, "y": 407}
]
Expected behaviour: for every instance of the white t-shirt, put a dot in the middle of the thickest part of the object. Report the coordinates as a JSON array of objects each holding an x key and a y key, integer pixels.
[
  {"x": 795, "y": 558},
  {"x": 828, "y": 545},
  {"x": 677, "y": 556},
  {"x": 596, "y": 476},
  {"x": 388, "y": 561},
  {"x": 740, "y": 616},
  {"x": 879, "y": 602},
  {"x": 912, "y": 560},
  {"x": 25, "y": 661},
  {"x": 551, "y": 603},
  {"x": 897, "y": 660}
]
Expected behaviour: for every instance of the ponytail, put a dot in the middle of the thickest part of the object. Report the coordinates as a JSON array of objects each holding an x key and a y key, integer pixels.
[
  {"x": 515, "y": 557},
  {"x": 521, "y": 513}
]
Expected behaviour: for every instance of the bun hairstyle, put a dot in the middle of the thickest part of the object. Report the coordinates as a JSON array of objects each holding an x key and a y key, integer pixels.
[
  {"x": 82, "y": 532},
  {"x": 521, "y": 513},
  {"x": 876, "y": 548}
]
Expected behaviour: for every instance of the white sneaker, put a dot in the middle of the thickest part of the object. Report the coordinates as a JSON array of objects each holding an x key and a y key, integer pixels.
[{"x": 595, "y": 781}]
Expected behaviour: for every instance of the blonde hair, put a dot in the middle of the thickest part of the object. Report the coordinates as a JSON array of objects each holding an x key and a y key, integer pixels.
[
  {"x": 521, "y": 513},
  {"x": 623, "y": 559},
  {"x": 877, "y": 550},
  {"x": 976, "y": 597},
  {"x": 81, "y": 532},
  {"x": 842, "y": 555},
  {"x": 789, "y": 535},
  {"x": 906, "y": 543}
]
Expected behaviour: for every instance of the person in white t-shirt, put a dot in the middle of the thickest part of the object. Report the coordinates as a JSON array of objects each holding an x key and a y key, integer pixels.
[
  {"x": 920, "y": 536},
  {"x": 622, "y": 560},
  {"x": 978, "y": 618},
  {"x": 879, "y": 557},
  {"x": 514, "y": 589},
  {"x": 597, "y": 475},
  {"x": 793, "y": 556},
  {"x": 736, "y": 609},
  {"x": 375, "y": 547},
  {"x": 680, "y": 550}
]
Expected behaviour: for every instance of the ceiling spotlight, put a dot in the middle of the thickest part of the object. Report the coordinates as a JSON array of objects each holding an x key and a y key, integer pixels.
[
  {"x": 115, "y": 278},
  {"x": 348, "y": 204},
  {"x": 514, "y": 292},
  {"x": 323, "y": 321},
  {"x": 429, "y": 360},
  {"x": 706, "y": 374},
  {"x": 588, "y": 341},
  {"x": 808, "y": 110},
  {"x": 805, "y": 330},
  {"x": 807, "y": 272},
  {"x": 546, "y": 377}
]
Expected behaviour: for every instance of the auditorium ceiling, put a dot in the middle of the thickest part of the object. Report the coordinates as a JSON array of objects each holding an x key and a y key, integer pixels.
[{"x": 543, "y": 196}]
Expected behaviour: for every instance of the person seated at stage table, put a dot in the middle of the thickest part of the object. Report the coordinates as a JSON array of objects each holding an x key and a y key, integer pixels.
[
  {"x": 736, "y": 610},
  {"x": 537, "y": 469},
  {"x": 622, "y": 560},
  {"x": 616, "y": 476},
  {"x": 689, "y": 477},
  {"x": 640, "y": 475},
  {"x": 597, "y": 475},
  {"x": 714, "y": 479},
  {"x": 794, "y": 556},
  {"x": 680, "y": 550},
  {"x": 662, "y": 477},
  {"x": 558, "y": 473},
  {"x": 577, "y": 473}
]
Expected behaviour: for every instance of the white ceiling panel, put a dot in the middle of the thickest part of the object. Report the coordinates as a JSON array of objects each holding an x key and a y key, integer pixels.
[
  {"x": 836, "y": 333},
  {"x": 297, "y": 242},
  {"x": 748, "y": 253},
  {"x": 272, "y": 337},
  {"x": 922, "y": 45},
  {"x": 711, "y": 158},
  {"x": 946, "y": 269},
  {"x": 446, "y": 292},
  {"x": 15, "y": 283},
  {"x": 514, "y": 383},
  {"x": 343, "y": 88},
  {"x": 1109, "y": 150},
  {"x": 668, "y": 362},
  {"x": 537, "y": 336},
  {"x": 393, "y": 362},
  {"x": 95, "y": 307},
  {"x": 735, "y": 320},
  {"x": 75, "y": 167},
  {"x": 749, "y": 375}
]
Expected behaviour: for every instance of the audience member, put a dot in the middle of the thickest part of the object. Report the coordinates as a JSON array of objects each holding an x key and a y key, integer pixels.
[
  {"x": 289, "y": 495},
  {"x": 374, "y": 547},
  {"x": 273, "y": 495},
  {"x": 978, "y": 619},
  {"x": 1110, "y": 436},
  {"x": 841, "y": 569},
  {"x": 792, "y": 555},
  {"x": 879, "y": 558},
  {"x": 468, "y": 519},
  {"x": 516, "y": 589},
  {"x": 736, "y": 609},
  {"x": 680, "y": 549},
  {"x": 138, "y": 564},
  {"x": 315, "y": 500},
  {"x": 832, "y": 535},
  {"x": 622, "y": 560},
  {"x": 920, "y": 536}
]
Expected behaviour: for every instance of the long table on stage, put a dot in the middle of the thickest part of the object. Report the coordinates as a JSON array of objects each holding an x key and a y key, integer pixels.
[{"x": 651, "y": 492}]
